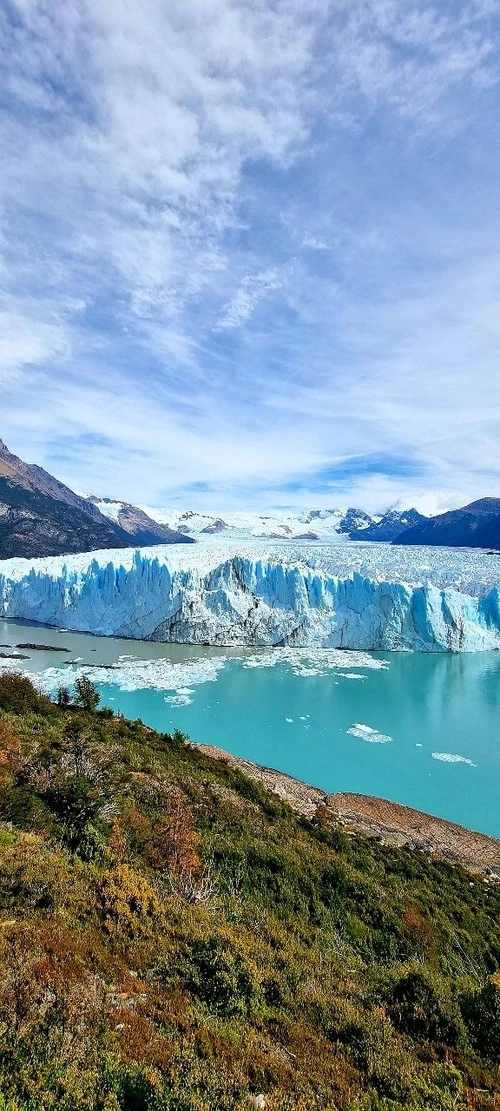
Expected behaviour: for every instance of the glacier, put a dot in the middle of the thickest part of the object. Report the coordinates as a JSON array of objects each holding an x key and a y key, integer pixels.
[{"x": 365, "y": 597}]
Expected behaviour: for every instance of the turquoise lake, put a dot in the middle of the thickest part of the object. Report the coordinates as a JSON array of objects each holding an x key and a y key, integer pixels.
[{"x": 420, "y": 729}]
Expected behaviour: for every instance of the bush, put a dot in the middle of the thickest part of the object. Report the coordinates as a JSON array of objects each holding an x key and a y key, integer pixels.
[
  {"x": 481, "y": 1011},
  {"x": 419, "y": 1006},
  {"x": 19, "y": 696},
  {"x": 218, "y": 976}
]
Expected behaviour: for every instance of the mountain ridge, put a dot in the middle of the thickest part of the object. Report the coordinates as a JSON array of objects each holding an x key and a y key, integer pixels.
[
  {"x": 476, "y": 525},
  {"x": 330, "y": 525},
  {"x": 40, "y": 516}
]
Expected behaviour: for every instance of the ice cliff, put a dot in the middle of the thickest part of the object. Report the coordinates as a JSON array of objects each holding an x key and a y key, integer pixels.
[{"x": 311, "y": 597}]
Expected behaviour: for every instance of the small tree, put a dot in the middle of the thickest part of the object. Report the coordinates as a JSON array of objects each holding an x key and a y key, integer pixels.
[
  {"x": 86, "y": 694},
  {"x": 63, "y": 698}
]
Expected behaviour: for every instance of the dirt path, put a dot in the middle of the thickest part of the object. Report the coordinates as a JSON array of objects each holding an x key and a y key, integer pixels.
[{"x": 374, "y": 817}]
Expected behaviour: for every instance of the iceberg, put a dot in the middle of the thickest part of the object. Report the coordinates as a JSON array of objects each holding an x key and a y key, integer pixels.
[{"x": 305, "y": 597}]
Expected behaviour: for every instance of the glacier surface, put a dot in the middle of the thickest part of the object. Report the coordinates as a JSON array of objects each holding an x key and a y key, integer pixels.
[{"x": 365, "y": 597}]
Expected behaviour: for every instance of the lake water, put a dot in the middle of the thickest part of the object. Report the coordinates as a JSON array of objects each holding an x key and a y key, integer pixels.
[{"x": 420, "y": 729}]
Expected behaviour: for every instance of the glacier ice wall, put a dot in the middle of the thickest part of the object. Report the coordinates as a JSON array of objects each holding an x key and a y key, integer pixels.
[{"x": 250, "y": 599}]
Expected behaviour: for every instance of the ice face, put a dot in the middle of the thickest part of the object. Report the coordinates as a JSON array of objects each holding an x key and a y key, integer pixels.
[{"x": 359, "y": 597}]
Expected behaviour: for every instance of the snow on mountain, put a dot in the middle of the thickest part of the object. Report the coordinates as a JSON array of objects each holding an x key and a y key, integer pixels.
[
  {"x": 328, "y": 525},
  {"x": 356, "y": 596},
  {"x": 333, "y": 525},
  {"x": 141, "y": 528}
]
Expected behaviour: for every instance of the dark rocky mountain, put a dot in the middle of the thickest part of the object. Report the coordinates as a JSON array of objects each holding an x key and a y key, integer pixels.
[
  {"x": 392, "y": 525},
  {"x": 476, "y": 525},
  {"x": 139, "y": 527},
  {"x": 40, "y": 516}
]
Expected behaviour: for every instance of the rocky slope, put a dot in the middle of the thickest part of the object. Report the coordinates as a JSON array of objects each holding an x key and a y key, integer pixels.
[
  {"x": 391, "y": 526},
  {"x": 140, "y": 527},
  {"x": 40, "y": 516}
]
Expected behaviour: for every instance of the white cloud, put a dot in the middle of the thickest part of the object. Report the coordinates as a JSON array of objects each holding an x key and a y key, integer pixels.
[
  {"x": 254, "y": 288},
  {"x": 243, "y": 242}
]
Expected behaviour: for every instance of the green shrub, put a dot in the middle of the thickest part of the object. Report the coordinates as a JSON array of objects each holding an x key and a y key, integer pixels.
[
  {"x": 481, "y": 1011},
  {"x": 19, "y": 696},
  {"x": 217, "y": 975},
  {"x": 420, "y": 1006},
  {"x": 86, "y": 694}
]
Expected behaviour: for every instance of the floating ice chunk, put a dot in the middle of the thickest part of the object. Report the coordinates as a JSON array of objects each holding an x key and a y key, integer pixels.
[
  {"x": 366, "y": 733},
  {"x": 452, "y": 758},
  {"x": 289, "y": 720},
  {"x": 138, "y": 674},
  {"x": 178, "y": 699}
]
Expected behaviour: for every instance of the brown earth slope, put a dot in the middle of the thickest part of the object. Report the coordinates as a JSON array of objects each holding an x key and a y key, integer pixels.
[{"x": 392, "y": 822}]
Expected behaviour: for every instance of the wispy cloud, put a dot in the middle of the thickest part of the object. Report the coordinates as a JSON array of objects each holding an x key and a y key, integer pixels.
[
  {"x": 244, "y": 243},
  {"x": 254, "y": 288}
]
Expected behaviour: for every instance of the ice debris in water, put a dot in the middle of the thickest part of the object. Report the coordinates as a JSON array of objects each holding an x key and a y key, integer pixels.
[
  {"x": 366, "y": 733},
  {"x": 452, "y": 758}
]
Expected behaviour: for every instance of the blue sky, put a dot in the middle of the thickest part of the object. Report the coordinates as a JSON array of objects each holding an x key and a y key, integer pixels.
[{"x": 250, "y": 251}]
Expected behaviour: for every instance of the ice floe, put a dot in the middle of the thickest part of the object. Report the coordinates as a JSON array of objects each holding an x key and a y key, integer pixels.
[
  {"x": 366, "y": 733},
  {"x": 452, "y": 758}
]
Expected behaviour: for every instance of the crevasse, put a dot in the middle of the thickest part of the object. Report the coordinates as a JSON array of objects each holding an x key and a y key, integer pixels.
[{"x": 153, "y": 595}]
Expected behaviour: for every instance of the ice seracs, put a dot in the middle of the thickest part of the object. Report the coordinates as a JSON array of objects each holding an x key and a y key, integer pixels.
[{"x": 354, "y": 597}]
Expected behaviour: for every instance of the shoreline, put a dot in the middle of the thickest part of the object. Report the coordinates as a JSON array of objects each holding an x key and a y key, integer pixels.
[{"x": 392, "y": 822}]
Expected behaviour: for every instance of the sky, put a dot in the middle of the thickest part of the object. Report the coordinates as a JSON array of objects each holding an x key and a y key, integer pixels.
[{"x": 250, "y": 249}]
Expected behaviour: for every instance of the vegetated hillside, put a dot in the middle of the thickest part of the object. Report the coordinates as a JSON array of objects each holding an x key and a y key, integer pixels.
[
  {"x": 174, "y": 937},
  {"x": 475, "y": 526},
  {"x": 39, "y": 516}
]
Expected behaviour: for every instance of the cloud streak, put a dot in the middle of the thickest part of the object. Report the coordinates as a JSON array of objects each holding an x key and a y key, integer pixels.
[{"x": 242, "y": 244}]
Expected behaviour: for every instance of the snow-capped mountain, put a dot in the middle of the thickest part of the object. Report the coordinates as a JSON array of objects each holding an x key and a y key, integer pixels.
[
  {"x": 137, "y": 524},
  {"x": 327, "y": 525}
]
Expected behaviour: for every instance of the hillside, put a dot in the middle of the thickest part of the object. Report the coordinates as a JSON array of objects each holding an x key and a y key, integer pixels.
[
  {"x": 139, "y": 526},
  {"x": 175, "y": 936},
  {"x": 39, "y": 516},
  {"x": 476, "y": 525}
]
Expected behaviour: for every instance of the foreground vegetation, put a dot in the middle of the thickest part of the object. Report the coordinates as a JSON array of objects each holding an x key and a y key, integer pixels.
[{"x": 173, "y": 937}]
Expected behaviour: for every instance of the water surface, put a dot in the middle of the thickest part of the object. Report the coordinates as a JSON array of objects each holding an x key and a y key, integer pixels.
[{"x": 421, "y": 729}]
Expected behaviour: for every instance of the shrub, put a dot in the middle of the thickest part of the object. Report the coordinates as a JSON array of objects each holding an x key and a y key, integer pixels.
[
  {"x": 419, "y": 1006},
  {"x": 481, "y": 1011},
  {"x": 86, "y": 694},
  {"x": 19, "y": 696},
  {"x": 218, "y": 976},
  {"x": 63, "y": 698},
  {"x": 129, "y": 904}
]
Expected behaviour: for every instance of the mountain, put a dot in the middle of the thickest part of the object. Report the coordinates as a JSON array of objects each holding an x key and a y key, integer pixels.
[
  {"x": 392, "y": 525},
  {"x": 40, "y": 516},
  {"x": 476, "y": 525},
  {"x": 141, "y": 528},
  {"x": 328, "y": 525}
]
